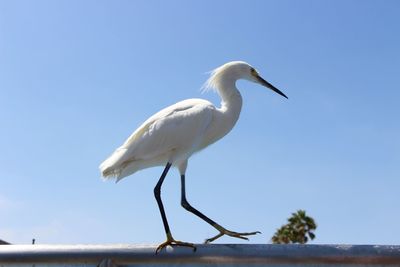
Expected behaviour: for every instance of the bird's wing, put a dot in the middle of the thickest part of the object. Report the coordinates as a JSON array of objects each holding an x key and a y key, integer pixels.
[{"x": 177, "y": 127}]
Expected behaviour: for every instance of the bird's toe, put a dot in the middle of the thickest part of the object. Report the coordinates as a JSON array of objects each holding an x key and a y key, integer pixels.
[
  {"x": 173, "y": 243},
  {"x": 231, "y": 234}
]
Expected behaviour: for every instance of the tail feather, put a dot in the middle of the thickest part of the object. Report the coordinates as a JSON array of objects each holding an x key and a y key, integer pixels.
[{"x": 112, "y": 167}]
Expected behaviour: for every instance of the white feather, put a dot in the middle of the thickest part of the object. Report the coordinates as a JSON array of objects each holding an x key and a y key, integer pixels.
[
  {"x": 169, "y": 135},
  {"x": 176, "y": 132}
]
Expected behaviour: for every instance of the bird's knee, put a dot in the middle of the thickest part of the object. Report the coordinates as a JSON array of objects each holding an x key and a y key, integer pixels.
[
  {"x": 157, "y": 191},
  {"x": 185, "y": 204}
]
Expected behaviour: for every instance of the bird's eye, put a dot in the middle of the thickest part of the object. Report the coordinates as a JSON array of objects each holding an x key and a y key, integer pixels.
[{"x": 253, "y": 71}]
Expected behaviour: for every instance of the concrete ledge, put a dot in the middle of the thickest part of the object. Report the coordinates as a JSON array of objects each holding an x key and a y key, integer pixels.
[{"x": 210, "y": 255}]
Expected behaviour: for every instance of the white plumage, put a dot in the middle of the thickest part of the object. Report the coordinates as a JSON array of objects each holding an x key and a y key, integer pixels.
[
  {"x": 176, "y": 132},
  {"x": 172, "y": 134}
]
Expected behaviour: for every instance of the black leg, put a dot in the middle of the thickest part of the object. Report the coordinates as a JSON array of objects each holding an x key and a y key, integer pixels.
[
  {"x": 157, "y": 193},
  {"x": 222, "y": 231},
  {"x": 185, "y": 204}
]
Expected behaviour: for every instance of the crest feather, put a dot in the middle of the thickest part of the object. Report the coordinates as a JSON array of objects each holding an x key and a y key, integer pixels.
[{"x": 213, "y": 82}]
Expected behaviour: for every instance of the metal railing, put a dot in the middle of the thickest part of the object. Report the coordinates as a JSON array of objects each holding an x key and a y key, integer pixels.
[{"x": 206, "y": 255}]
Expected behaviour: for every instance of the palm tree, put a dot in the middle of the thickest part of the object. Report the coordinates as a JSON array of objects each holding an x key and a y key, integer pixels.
[{"x": 299, "y": 229}]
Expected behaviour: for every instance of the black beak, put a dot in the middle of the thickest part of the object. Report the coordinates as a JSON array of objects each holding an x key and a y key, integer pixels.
[{"x": 270, "y": 86}]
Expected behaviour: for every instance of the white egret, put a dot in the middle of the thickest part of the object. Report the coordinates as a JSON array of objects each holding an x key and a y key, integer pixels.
[{"x": 171, "y": 136}]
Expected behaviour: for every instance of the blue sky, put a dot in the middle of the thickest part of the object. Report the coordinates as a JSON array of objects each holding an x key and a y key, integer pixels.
[{"x": 77, "y": 77}]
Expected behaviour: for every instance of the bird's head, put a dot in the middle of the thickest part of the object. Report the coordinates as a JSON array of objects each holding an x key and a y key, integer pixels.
[{"x": 236, "y": 70}]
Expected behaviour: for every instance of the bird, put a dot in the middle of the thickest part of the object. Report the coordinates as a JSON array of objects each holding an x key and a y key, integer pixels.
[{"x": 172, "y": 135}]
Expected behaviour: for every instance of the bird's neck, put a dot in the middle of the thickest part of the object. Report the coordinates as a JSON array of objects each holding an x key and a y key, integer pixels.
[
  {"x": 231, "y": 103},
  {"x": 228, "y": 113}
]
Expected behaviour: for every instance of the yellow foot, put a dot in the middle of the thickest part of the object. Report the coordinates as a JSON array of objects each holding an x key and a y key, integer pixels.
[
  {"x": 172, "y": 242},
  {"x": 232, "y": 234}
]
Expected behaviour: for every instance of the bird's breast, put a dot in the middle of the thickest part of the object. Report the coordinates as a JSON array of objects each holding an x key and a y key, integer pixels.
[{"x": 221, "y": 125}]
